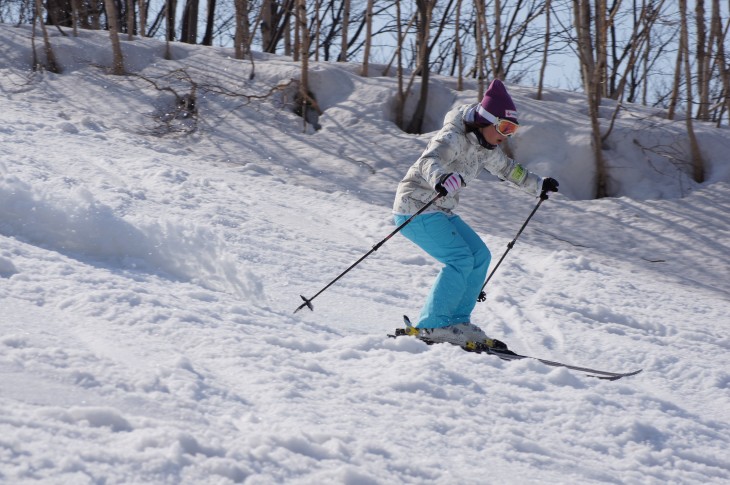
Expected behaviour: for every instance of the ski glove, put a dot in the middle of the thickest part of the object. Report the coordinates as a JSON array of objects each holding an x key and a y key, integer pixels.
[
  {"x": 449, "y": 183},
  {"x": 549, "y": 184}
]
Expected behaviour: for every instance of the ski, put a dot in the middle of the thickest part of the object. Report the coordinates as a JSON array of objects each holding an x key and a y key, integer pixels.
[
  {"x": 601, "y": 374},
  {"x": 510, "y": 355}
]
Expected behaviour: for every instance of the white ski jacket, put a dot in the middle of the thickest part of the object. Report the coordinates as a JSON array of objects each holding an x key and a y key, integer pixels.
[{"x": 455, "y": 150}]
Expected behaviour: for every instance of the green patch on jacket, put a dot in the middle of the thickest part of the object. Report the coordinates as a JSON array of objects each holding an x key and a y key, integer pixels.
[{"x": 518, "y": 174}]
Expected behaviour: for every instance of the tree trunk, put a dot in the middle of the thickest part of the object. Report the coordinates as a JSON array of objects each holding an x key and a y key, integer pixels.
[
  {"x": 189, "y": 33},
  {"x": 676, "y": 86},
  {"x": 400, "y": 108},
  {"x": 307, "y": 102},
  {"x": 479, "y": 40},
  {"x": 130, "y": 19},
  {"x": 639, "y": 37},
  {"x": 425, "y": 8},
  {"x": 287, "y": 30},
  {"x": 51, "y": 63},
  {"x": 645, "y": 60},
  {"x": 592, "y": 74},
  {"x": 267, "y": 27},
  {"x": 317, "y": 27},
  {"x": 76, "y": 12},
  {"x": 368, "y": 37},
  {"x": 401, "y": 37},
  {"x": 275, "y": 24},
  {"x": 703, "y": 63},
  {"x": 497, "y": 53},
  {"x": 698, "y": 165},
  {"x": 345, "y": 24},
  {"x": 458, "y": 54},
  {"x": 722, "y": 64},
  {"x": 169, "y": 28},
  {"x": 242, "y": 31},
  {"x": 142, "y": 18},
  {"x": 59, "y": 12},
  {"x": 118, "y": 60},
  {"x": 170, "y": 18},
  {"x": 601, "y": 48},
  {"x": 297, "y": 31},
  {"x": 210, "y": 22},
  {"x": 543, "y": 66}
]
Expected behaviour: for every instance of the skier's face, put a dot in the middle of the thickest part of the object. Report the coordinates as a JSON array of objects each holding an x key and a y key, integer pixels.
[{"x": 492, "y": 136}]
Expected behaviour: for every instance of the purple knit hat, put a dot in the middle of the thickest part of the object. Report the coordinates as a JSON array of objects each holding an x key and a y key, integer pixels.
[{"x": 498, "y": 102}]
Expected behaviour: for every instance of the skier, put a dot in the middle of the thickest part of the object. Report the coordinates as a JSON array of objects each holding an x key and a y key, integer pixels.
[{"x": 468, "y": 141}]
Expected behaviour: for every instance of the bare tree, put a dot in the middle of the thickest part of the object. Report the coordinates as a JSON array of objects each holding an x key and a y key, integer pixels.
[
  {"x": 345, "y": 25},
  {"x": 242, "y": 34},
  {"x": 275, "y": 20},
  {"x": 168, "y": 25},
  {"x": 368, "y": 37},
  {"x": 210, "y": 21},
  {"x": 698, "y": 165},
  {"x": 600, "y": 47},
  {"x": 303, "y": 47},
  {"x": 653, "y": 46},
  {"x": 713, "y": 69},
  {"x": 543, "y": 66},
  {"x": 645, "y": 58},
  {"x": 631, "y": 54},
  {"x": 459, "y": 58},
  {"x": 704, "y": 53},
  {"x": 297, "y": 29},
  {"x": 130, "y": 20},
  {"x": 269, "y": 21},
  {"x": 306, "y": 98},
  {"x": 59, "y": 12},
  {"x": 51, "y": 63},
  {"x": 626, "y": 48},
  {"x": 722, "y": 64},
  {"x": 676, "y": 84},
  {"x": 591, "y": 72},
  {"x": 401, "y": 37},
  {"x": 400, "y": 107},
  {"x": 425, "y": 9},
  {"x": 189, "y": 32},
  {"x": 480, "y": 35},
  {"x": 286, "y": 37},
  {"x": 509, "y": 34},
  {"x": 75, "y": 17},
  {"x": 317, "y": 27},
  {"x": 496, "y": 53},
  {"x": 171, "y": 8},
  {"x": 142, "y": 17},
  {"x": 118, "y": 60}
]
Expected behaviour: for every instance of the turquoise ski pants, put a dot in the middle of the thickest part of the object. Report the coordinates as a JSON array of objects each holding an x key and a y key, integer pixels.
[{"x": 466, "y": 260}]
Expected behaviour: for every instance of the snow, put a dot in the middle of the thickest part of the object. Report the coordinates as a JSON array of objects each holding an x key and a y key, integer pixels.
[{"x": 147, "y": 287}]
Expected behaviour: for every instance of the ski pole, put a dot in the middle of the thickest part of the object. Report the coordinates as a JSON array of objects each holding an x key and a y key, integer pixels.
[
  {"x": 308, "y": 301},
  {"x": 482, "y": 295}
]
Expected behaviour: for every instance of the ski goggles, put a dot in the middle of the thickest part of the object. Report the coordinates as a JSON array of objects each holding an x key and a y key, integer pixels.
[{"x": 503, "y": 127}]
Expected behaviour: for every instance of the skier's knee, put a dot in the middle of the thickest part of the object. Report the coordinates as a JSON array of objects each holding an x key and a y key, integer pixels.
[{"x": 482, "y": 257}]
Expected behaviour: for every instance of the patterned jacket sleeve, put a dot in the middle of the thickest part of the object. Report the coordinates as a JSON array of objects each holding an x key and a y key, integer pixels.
[
  {"x": 440, "y": 152},
  {"x": 507, "y": 169}
]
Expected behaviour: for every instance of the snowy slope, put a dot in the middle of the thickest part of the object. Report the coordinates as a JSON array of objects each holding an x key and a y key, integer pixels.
[{"x": 147, "y": 285}]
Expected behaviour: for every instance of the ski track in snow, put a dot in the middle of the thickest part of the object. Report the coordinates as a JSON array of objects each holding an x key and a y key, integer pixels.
[{"x": 147, "y": 286}]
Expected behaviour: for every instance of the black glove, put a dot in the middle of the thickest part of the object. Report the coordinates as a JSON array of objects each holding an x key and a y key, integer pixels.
[
  {"x": 549, "y": 184},
  {"x": 449, "y": 183}
]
